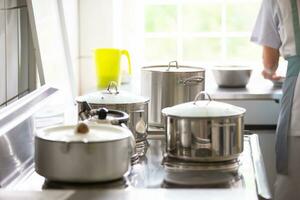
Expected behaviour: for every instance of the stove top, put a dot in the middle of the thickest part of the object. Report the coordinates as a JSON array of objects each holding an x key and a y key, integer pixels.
[{"x": 150, "y": 173}]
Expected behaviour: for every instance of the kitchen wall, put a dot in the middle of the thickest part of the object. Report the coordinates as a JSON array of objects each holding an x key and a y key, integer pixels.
[
  {"x": 71, "y": 11},
  {"x": 17, "y": 60},
  {"x": 107, "y": 24}
]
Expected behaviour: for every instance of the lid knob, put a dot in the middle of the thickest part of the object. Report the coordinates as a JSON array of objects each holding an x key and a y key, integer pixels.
[
  {"x": 102, "y": 113},
  {"x": 82, "y": 128}
]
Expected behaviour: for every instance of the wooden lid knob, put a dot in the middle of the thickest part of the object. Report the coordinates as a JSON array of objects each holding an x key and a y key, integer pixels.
[{"x": 82, "y": 128}]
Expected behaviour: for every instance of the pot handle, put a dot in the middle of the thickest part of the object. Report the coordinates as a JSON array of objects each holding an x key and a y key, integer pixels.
[
  {"x": 192, "y": 80},
  {"x": 170, "y": 65},
  {"x": 114, "y": 85},
  {"x": 199, "y": 94}
]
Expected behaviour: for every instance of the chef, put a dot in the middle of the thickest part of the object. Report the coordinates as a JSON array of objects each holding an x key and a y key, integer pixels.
[{"x": 277, "y": 30}]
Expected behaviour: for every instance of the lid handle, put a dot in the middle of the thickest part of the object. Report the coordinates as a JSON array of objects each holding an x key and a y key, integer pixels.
[
  {"x": 114, "y": 85},
  {"x": 102, "y": 113},
  {"x": 199, "y": 94},
  {"x": 170, "y": 65},
  {"x": 82, "y": 128}
]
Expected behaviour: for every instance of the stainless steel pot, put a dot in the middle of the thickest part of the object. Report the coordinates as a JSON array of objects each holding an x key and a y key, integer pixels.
[
  {"x": 135, "y": 106},
  {"x": 204, "y": 130},
  {"x": 79, "y": 154},
  {"x": 168, "y": 85}
]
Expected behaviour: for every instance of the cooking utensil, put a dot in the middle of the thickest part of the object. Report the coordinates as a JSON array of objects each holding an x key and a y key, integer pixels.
[
  {"x": 85, "y": 153},
  {"x": 204, "y": 130},
  {"x": 168, "y": 85},
  {"x": 135, "y": 106},
  {"x": 232, "y": 75}
]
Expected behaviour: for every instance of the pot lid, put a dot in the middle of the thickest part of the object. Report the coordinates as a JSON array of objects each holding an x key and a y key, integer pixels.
[
  {"x": 203, "y": 109},
  {"x": 112, "y": 97},
  {"x": 84, "y": 133},
  {"x": 171, "y": 68}
]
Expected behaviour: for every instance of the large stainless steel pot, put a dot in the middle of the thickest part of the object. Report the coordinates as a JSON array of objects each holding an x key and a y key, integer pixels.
[
  {"x": 168, "y": 85},
  {"x": 83, "y": 154},
  {"x": 204, "y": 130},
  {"x": 136, "y": 106}
]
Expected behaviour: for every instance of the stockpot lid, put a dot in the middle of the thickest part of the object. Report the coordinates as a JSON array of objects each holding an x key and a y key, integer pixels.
[
  {"x": 84, "y": 133},
  {"x": 172, "y": 68},
  {"x": 203, "y": 109},
  {"x": 110, "y": 97}
]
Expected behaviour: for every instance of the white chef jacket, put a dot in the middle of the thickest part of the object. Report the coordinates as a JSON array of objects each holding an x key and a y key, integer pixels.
[{"x": 274, "y": 28}]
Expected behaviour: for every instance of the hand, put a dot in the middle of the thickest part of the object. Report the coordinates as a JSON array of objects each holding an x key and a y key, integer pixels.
[{"x": 268, "y": 74}]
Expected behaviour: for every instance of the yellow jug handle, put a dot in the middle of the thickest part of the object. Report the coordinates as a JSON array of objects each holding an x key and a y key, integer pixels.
[{"x": 126, "y": 53}]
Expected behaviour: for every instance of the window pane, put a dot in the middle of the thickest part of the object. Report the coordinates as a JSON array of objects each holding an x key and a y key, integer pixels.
[
  {"x": 239, "y": 49},
  {"x": 241, "y": 16},
  {"x": 160, "y": 49},
  {"x": 201, "y": 49},
  {"x": 160, "y": 18},
  {"x": 203, "y": 17}
]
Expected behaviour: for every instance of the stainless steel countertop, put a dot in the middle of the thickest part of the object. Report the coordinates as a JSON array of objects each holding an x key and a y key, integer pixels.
[
  {"x": 146, "y": 181},
  {"x": 256, "y": 89}
]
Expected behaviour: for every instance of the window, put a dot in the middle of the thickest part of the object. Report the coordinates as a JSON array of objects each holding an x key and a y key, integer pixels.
[{"x": 200, "y": 31}]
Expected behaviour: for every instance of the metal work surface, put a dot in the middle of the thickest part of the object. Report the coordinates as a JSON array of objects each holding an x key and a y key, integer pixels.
[{"x": 250, "y": 92}]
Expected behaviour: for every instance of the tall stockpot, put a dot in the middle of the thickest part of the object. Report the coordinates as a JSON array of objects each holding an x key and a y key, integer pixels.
[
  {"x": 204, "y": 130},
  {"x": 83, "y": 153},
  {"x": 168, "y": 85},
  {"x": 136, "y": 106}
]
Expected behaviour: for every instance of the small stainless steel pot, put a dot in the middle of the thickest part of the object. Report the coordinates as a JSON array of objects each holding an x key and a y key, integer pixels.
[
  {"x": 64, "y": 153},
  {"x": 135, "y": 106},
  {"x": 168, "y": 85},
  {"x": 204, "y": 130}
]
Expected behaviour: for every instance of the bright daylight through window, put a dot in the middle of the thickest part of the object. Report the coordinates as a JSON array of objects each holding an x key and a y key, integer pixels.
[{"x": 200, "y": 31}]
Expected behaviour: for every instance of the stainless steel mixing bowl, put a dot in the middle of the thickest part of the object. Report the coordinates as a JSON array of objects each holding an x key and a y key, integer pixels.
[{"x": 232, "y": 75}]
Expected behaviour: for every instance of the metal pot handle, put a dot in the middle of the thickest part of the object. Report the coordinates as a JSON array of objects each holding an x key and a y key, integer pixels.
[
  {"x": 112, "y": 84},
  {"x": 170, "y": 65},
  {"x": 192, "y": 80},
  {"x": 199, "y": 94}
]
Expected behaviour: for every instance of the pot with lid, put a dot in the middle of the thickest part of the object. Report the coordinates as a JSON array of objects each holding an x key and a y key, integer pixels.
[
  {"x": 83, "y": 153},
  {"x": 168, "y": 85},
  {"x": 205, "y": 130},
  {"x": 136, "y": 106}
]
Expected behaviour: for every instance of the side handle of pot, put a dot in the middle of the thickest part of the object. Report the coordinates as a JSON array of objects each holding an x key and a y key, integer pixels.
[{"x": 194, "y": 80}]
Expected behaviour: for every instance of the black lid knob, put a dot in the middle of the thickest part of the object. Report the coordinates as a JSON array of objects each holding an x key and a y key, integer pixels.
[{"x": 102, "y": 113}]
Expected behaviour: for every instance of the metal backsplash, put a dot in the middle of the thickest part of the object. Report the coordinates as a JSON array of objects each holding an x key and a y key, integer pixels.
[
  {"x": 17, "y": 132},
  {"x": 17, "y": 59}
]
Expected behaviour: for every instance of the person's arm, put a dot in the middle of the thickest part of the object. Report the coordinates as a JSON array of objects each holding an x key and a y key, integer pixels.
[{"x": 270, "y": 62}]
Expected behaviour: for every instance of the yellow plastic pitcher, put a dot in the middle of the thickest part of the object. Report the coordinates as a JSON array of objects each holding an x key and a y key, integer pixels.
[{"x": 108, "y": 61}]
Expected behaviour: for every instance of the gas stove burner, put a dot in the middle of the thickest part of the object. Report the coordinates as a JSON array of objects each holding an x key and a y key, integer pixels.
[
  {"x": 135, "y": 159},
  {"x": 199, "y": 174},
  {"x": 116, "y": 184},
  {"x": 142, "y": 147},
  {"x": 177, "y": 165},
  {"x": 198, "y": 180}
]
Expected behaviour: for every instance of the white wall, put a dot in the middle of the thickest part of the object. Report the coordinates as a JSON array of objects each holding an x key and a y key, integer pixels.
[
  {"x": 95, "y": 31},
  {"x": 72, "y": 25},
  {"x": 107, "y": 24}
]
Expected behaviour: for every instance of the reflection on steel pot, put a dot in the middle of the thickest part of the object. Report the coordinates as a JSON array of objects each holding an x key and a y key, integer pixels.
[
  {"x": 135, "y": 106},
  {"x": 168, "y": 85},
  {"x": 83, "y": 153},
  {"x": 204, "y": 130}
]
